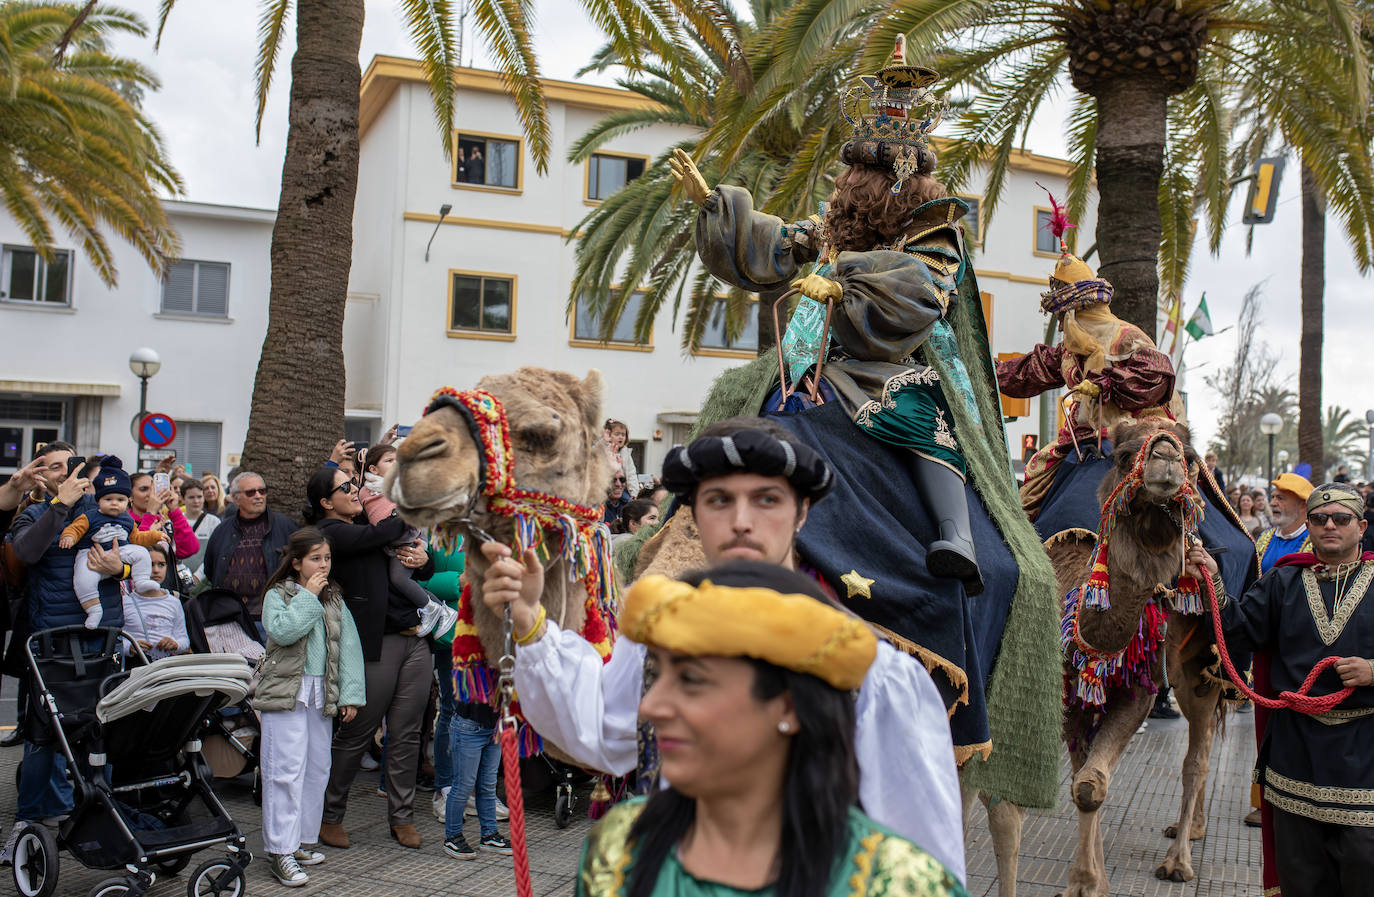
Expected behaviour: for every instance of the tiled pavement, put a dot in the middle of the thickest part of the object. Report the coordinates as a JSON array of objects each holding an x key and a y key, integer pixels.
[{"x": 1145, "y": 794}]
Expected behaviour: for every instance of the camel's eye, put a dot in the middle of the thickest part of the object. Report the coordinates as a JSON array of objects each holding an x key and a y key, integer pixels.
[{"x": 535, "y": 435}]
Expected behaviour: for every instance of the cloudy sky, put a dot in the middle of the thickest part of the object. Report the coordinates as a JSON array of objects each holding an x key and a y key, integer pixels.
[{"x": 206, "y": 107}]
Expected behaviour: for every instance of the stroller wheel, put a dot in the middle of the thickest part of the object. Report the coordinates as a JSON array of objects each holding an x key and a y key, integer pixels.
[
  {"x": 562, "y": 807},
  {"x": 35, "y": 861},
  {"x": 111, "y": 887},
  {"x": 216, "y": 878}
]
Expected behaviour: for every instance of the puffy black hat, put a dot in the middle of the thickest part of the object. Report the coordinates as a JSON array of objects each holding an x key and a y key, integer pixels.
[{"x": 112, "y": 480}]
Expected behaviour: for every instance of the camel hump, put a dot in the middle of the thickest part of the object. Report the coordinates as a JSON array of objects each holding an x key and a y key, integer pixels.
[{"x": 1071, "y": 553}]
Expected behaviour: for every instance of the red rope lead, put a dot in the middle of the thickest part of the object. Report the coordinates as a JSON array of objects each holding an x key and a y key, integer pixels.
[
  {"x": 515, "y": 802},
  {"x": 1298, "y": 700}
]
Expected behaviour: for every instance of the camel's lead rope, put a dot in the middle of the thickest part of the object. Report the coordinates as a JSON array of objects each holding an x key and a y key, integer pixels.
[{"x": 510, "y": 759}]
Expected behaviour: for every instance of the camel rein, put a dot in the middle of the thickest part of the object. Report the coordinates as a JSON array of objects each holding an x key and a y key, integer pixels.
[{"x": 1298, "y": 700}]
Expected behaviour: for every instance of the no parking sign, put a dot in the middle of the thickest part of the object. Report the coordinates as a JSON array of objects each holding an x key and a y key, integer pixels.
[{"x": 157, "y": 430}]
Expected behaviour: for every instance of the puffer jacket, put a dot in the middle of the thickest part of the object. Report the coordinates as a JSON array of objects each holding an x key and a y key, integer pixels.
[
  {"x": 303, "y": 633},
  {"x": 52, "y": 600}
]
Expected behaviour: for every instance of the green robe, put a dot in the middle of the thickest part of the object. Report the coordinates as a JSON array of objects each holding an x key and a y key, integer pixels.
[{"x": 876, "y": 863}]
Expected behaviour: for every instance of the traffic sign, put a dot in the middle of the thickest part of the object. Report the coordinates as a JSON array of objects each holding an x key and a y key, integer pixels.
[
  {"x": 152, "y": 456},
  {"x": 157, "y": 430}
]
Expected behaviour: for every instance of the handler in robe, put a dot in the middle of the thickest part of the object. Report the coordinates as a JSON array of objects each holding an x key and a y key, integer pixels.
[
  {"x": 1317, "y": 770},
  {"x": 750, "y": 484}
]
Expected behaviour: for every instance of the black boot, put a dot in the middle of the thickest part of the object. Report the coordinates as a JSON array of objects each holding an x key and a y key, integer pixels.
[{"x": 952, "y": 555}]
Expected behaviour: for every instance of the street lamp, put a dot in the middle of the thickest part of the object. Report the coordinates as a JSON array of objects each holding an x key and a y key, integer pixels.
[
  {"x": 1283, "y": 460},
  {"x": 443, "y": 213},
  {"x": 1270, "y": 425},
  {"x": 1369, "y": 419},
  {"x": 144, "y": 363}
]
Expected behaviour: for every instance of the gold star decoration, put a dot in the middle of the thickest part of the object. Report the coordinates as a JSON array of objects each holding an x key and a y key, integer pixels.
[{"x": 857, "y": 585}]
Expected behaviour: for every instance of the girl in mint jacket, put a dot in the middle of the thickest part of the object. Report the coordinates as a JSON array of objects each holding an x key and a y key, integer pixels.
[{"x": 312, "y": 671}]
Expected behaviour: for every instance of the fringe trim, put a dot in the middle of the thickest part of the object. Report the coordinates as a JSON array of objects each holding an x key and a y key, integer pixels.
[
  {"x": 964, "y": 752},
  {"x": 932, "y": 662},
  {"x": 1096, "y": 673}
]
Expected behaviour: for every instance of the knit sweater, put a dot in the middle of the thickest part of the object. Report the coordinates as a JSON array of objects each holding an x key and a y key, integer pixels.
[{"x": 303, "y": 618}]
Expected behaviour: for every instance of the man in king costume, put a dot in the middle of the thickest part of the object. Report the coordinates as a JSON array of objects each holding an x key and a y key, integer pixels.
[
  {"x": 1112, "y": 369},
  {"x": 1317, "y": 770},
  {"x": 891, "y": 258}
]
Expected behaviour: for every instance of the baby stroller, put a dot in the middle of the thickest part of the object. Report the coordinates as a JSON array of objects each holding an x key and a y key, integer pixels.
[
  {"x": 131, "y": 739},
  {"x": 218, "y": 623}
]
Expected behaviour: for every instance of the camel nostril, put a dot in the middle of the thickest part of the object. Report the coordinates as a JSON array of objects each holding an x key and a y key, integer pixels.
[{"x": 431, "y": 449}]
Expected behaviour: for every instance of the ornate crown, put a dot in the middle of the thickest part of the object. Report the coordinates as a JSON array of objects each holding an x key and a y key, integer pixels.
[
  {"x": 892, "y": 112},
  {"x": 1073, "y": 284}
]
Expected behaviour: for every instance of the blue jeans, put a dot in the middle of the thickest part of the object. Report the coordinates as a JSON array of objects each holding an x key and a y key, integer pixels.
[
  {"x": 476, "y": 757},
  {"x": 43, "y": 787},
  {"x": 443, "y": 756}
]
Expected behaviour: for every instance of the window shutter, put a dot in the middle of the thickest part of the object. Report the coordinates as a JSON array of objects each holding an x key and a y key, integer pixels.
[
  {"x": 197, "y": 443},
  {"x": 212, "y": 289},
  {"x": 179, "y": 289}
]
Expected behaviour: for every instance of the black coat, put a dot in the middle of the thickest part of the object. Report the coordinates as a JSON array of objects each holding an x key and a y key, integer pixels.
[
  {"x": 226, "y": 537},
  {"x": 361, "y": 568}
]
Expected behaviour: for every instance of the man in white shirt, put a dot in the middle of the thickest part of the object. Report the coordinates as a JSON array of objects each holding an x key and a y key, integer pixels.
[{"x": 750, "y": 485}]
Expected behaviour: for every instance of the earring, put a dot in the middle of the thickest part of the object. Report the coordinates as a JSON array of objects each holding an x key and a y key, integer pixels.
[{"x": 784, "y": 727}]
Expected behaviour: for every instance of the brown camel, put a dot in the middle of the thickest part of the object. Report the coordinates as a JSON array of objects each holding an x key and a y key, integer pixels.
[
  {"x": 555, "y": 424},
  {"x": 1145, "y": 558}
]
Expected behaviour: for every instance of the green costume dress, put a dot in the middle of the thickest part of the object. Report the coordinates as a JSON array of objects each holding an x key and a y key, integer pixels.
[{"x": 876, "y": 863}]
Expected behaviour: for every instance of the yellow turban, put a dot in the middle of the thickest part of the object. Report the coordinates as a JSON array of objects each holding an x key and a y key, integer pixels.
[{"x": 795, "y": 632}]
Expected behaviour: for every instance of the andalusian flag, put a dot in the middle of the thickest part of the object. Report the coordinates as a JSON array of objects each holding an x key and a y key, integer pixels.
[{"x": 1200, "y": 324}]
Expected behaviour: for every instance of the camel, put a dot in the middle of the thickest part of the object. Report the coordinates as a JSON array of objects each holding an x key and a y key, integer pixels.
[
  {"x": 1147, "y": 546},
  {"x": 555, "y": 424}
]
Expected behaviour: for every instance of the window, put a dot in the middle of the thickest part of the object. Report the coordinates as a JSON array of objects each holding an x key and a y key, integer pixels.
[
  {"x": 973, "y": 220},
  {"x": 607, "y": 174},
  {"x": 481, "y": 305},
  {"x": 714, "y": 336},
  {"x": 587, "y": 327},
  {"x": 487, "y": 160},
  {"x": 25, "y": 277},
  {"x": 196, "y": 288},
  {"x": 1044, "y": 237},
  {"x": 197, "y": 444}
]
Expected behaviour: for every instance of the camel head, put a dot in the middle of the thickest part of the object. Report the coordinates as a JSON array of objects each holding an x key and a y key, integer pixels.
[
  {"x": 555, "y": 422},
  {"x": 1169, "y": 465}
]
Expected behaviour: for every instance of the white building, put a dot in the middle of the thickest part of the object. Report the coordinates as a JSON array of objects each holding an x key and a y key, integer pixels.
[
  {"x": 490, "y": 297},
  {"x": 64, "y": 368}
]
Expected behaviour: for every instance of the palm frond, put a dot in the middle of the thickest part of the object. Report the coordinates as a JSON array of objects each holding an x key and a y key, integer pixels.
[
  {"x": 271, "y": 27},
  {"x": 431, "y": 26},
  {"x": 506, "y": 26}
]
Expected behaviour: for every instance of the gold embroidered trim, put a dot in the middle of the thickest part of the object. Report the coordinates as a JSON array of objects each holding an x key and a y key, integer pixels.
[
  {"x": 943, "y": 434},
  {"x": 1273, "y": 892},
  {"x": 931, "y": 661},
  {"x": 863, "y": 862},
  {"x": 1340, "y": 717},
  {"x": 1324, "y": 793},
  {"x": 964, "y": 752},
  {"x": 1363, "y": 818},
  {"x": 864, "y": 416},
  {"x": 1330, "y": 628},
  {"x": 896, "y": 382}
]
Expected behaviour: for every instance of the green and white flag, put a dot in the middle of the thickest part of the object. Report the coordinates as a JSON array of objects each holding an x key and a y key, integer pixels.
[{"x": 1200, "y": 324}]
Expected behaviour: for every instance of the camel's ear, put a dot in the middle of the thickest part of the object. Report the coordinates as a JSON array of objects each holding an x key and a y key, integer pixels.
[{"x": 589, "y": 396}]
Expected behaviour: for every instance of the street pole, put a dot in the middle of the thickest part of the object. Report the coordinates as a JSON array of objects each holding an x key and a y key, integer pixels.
[
  {"x": 1271, "y": 457},
  {"x": 143, "y": 412}
]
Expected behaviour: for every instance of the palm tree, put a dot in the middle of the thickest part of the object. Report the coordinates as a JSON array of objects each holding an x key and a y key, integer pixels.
[
  {"x": 693, "y": 85},
  {"x": 1155, "y": 78},
  {"x": 1343, "y": 436},
  {"x": 312, "y": 241},
  {"x": 75, "y": 148}
]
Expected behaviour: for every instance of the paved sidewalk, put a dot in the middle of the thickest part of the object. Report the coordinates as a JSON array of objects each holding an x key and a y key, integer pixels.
[{"x": 1144, "y": 798}]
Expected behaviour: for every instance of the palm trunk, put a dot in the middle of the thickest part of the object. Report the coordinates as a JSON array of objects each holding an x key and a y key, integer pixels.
[
  {"x": 1132, "y": 129},
  {"x": 1310, "y": 447},
  {"x": 298, "y": 396}
]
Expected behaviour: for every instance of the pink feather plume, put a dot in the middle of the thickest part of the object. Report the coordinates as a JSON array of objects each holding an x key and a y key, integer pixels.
[{"x": 1059, "y": 215}]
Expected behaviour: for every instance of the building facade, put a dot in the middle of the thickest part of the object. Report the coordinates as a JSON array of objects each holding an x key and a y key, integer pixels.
[{"x": 430, "y": 302}]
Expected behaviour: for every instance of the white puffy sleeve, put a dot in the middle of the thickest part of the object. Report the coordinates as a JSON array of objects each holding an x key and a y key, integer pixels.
[
  {"x": 587, "y": 708},
  {"x": 907, "y": 776}
]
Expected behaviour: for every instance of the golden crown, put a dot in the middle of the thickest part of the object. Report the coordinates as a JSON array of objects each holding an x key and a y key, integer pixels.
[{"x": 892, "y": 112}]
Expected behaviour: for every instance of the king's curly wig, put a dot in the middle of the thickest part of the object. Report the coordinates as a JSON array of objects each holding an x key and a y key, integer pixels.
[{"x": 863, "y": 212}]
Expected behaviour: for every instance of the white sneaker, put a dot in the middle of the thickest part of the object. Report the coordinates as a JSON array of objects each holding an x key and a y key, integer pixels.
[
  {"x": 447, "y": 617},
  {"x": 502, "y": 811},
  {"x": 440, "y": 804},
  {"x": 287, "y": 871},
  {"x": 368, "y": 763},
  {"x": 429, "y": 615},
  {"x": 307, "y": 857},
  {"x": 7, "y": 853}
]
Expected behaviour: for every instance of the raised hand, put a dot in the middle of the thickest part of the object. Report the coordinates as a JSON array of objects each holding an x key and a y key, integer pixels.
[{"x": 689, "y": 176}]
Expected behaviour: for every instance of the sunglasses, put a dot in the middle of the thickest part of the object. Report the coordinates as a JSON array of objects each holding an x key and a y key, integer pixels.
[
  {"x": 618, "y": 480},
  {"x": 253, "y": 493},
  {"x": 346, "y": 485},
  {"x": 1320, "y": 520}
]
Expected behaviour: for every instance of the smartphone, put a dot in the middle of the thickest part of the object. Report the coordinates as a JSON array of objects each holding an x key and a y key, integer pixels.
[
  {"x": 359, "y": 445},
  {"x": 161, "y": 481},
  {"x": 74, "y": 462},
  {"x": 403, "y": 430}
]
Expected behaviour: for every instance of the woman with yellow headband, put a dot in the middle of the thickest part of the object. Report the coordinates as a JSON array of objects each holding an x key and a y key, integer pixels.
[{"x": 751, "y": 702}]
